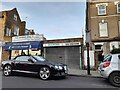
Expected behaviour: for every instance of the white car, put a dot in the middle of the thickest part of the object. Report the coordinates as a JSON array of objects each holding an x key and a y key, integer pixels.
[{"x": 110, "y": 69}]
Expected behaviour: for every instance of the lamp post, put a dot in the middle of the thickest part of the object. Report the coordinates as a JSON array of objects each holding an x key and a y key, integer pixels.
[{"x": 87, "y": 37}]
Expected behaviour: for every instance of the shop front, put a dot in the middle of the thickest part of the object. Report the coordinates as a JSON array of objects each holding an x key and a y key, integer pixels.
[{"x": 69, "y": 52}]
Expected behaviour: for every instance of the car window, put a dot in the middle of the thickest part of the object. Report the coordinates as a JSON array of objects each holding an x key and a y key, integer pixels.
[
  {"x": 22, "y": 58},
  {"x": 39, "y": 58},
  {"x": 108, "y": 58},
  {"x": 119, "y": 56}
]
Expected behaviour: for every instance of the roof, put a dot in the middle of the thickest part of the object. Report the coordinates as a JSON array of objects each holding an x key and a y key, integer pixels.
[{"x": 14, "y": 9}]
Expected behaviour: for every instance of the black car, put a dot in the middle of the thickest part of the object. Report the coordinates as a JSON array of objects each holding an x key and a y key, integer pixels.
[{"x": 34, "y": 64}]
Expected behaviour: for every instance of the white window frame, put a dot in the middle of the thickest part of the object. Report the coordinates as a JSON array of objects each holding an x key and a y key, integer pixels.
[
  {"x": 8, "y": 32},
  {"x": 102, "y": 9},
  {"x": 119, "y": 26},
  {"x": 103, "y": 30},
  {"x": 15, "y": 17},
  {"x": 118, "y": 8},
  {"x": 16, "y": 31}
]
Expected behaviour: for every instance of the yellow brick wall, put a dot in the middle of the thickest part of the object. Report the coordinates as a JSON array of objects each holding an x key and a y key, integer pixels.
[{"x": 8, "y": 21}]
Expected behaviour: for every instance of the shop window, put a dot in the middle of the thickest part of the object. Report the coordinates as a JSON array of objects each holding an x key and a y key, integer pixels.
[
  {"x": 8, "y": 32},
  {"x": 102, "y": 9},
  {"x": 103, "y": 31}
]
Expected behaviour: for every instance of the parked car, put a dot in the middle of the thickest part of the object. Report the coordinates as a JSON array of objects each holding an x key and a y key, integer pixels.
[
  {"x": 110, "y": 68},
  {"x": 34, "y": 64}
]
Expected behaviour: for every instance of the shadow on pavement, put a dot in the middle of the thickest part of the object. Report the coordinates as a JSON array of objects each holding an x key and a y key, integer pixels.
[{"x": 35, "y": 76}]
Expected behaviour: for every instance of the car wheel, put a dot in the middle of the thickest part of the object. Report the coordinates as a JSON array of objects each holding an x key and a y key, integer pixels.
[
  {"x": 7, "y": 70},
  {"x": 114, "y": 79},
  {"x": 44, "y": 73}
]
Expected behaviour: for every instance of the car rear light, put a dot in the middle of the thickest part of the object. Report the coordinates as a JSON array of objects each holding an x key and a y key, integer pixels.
[{"x": 106, "y": 64}]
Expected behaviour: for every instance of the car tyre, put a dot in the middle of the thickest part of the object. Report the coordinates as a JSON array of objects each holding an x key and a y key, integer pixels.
[
  {"x": 7, "y": 70},
  {"x": 44, "y": 73},
  {"x": 114, "y": 79}
]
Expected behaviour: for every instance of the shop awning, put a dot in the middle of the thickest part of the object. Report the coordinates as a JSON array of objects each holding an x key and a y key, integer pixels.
[{"x": 35, "y": 45}]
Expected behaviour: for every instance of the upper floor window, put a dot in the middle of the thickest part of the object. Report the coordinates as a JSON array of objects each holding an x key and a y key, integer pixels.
[
  {"x": 16, "y": 31},
  {"x": 27, "y": 32},
  {"x": 8, "y": 32},
  {"x": 103, "y": 30},
  {"x": 119, "y": 27},
  {"x": 118, "y": 8},
  {"x": 15, "y": 17},
  {"x": 101, "y": 9}
]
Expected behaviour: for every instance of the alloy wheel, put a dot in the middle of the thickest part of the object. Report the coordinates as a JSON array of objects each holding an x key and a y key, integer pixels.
[
  {"x": 7, "y": 70},
  {"x": 44, "y": 73},
  {"x": 116, "y": 79}
]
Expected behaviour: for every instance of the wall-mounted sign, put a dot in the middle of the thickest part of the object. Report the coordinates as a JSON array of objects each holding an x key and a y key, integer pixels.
[
  {"x": 62, "y": 44},
  {"x": 23, "y": 45},
  {"x": 28, "y": 38}
]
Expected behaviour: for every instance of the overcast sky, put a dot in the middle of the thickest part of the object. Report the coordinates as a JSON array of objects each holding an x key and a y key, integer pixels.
[{"x": 56, "y": 20}]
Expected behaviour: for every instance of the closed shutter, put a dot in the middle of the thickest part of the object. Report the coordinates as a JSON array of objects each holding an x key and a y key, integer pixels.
[{"x": 66, "y": 55}]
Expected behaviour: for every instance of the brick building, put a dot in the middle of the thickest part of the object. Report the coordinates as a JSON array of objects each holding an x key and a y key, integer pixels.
[
  {"x": 104, "y": 24},
  {"x": 29, "y": 32},
  {"x": 10, "y": 25}
]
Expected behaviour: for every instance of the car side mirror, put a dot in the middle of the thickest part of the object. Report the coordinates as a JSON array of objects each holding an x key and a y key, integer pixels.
[{"x": 30, "y": 60}]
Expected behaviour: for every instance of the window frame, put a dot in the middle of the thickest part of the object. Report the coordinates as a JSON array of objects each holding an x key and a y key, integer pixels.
[
  {"x": 16, "y": 31},
  {"x": 102, "y": 9},
  {"x": 119, "y": 26},
  {"x": 102, "y": 36},
  {"x": 118, "y": 8},
  {"x": 7, "y": 32},
  {"x": 15, "y": 17}
]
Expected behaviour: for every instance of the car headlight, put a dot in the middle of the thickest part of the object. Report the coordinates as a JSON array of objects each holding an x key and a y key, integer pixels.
[
  {"x": 65, "y": 67},
  {"x": 60, "y": 67},
  {"x": 56, "y": 67}
]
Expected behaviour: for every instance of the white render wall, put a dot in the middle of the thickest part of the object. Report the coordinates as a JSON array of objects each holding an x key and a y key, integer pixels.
[{"x": 92, "y": 59}]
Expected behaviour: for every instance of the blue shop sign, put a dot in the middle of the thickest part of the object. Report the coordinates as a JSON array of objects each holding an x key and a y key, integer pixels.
[{"x": 34, "y": 45}]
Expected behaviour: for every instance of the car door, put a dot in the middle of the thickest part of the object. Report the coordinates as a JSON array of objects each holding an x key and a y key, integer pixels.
[{"x": 21, "y": 63}]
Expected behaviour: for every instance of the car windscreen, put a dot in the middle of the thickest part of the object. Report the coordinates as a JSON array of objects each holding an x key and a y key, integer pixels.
[
  {"x": 39, "y": 58},
  {"x": 107, "y": 58}
]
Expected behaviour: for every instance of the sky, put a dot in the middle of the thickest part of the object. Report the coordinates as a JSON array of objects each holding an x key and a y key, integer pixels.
[{"x": 56, "y": 20}]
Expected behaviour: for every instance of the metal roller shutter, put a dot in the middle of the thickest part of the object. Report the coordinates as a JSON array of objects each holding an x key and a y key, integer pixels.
[{"x": 66, "y": 55}]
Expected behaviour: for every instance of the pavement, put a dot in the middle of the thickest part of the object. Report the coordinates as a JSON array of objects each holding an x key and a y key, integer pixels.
[{"x": 83, "y": 73}]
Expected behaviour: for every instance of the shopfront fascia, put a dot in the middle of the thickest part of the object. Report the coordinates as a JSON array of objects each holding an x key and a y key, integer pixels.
[{"x": 20, "y": 46}]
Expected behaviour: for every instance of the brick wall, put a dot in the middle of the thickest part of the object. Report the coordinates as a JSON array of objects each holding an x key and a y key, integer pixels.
[{"x": 9, "y": 22}]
